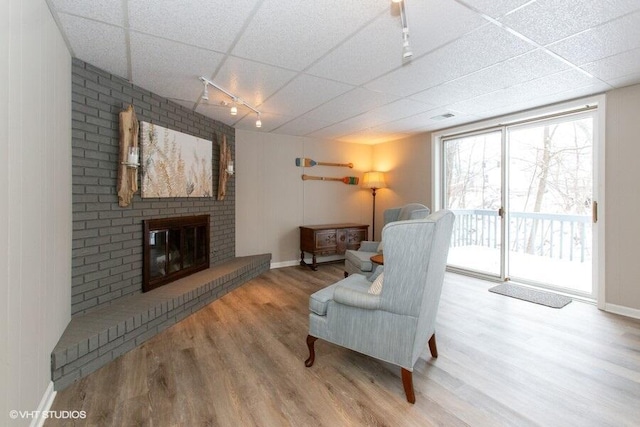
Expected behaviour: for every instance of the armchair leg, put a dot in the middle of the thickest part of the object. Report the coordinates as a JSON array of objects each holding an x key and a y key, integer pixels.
[
  {"x": 432, "y": 346},
  {"x": 407, "y": 383},
  {"x": 311, "y": 341}
]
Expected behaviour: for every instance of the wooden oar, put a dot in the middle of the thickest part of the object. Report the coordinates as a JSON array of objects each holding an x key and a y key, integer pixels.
[
  {"x": 351, "y": 180},
  {"x": 307, "y": 163}
]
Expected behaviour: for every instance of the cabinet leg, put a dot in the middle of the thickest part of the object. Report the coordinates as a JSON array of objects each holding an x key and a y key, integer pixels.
[{"x": 314, "y": 265}]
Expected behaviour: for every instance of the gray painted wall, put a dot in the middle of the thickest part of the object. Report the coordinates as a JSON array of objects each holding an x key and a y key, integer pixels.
[{"x": 107, "y": 239}]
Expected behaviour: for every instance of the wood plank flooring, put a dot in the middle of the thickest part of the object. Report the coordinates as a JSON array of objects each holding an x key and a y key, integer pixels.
[{"x": 240, "y": 362}]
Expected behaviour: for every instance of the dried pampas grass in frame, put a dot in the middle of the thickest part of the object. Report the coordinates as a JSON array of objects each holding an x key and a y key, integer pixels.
[{"x": 175, "y": 164}]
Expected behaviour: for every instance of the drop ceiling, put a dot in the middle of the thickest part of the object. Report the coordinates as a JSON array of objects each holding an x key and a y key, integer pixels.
[{"x": 332, "y": 69}]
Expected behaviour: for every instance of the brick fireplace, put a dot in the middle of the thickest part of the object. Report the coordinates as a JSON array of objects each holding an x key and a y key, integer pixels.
[
  {"x": 107, "y": 239},
  {"x": 110, "y": 314}
]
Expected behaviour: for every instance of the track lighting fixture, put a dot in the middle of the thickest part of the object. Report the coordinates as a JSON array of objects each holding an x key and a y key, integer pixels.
[
  {"x": 205, "y": 93},
  {"x": 234, "y": 99},
  {"x": 407, "y": 53}
]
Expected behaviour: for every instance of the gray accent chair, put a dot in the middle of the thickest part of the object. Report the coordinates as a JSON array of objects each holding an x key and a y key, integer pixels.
[
  {"x": 359, "y": 261},
  {"x": 396, "y": 325}
]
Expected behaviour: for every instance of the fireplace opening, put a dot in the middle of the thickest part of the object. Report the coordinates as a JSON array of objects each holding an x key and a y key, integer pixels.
[{"x": 174, "y": 248}]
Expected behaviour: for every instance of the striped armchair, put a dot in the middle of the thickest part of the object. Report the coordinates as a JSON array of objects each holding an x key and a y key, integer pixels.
[
  {"x": 359, "y": 261},
  {"x": 395, "y": 325}
]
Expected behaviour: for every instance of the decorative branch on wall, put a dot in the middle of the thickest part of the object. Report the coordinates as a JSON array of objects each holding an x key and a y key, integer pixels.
[
  {"x": 306, "y": 162},
  {"x": 128, "y": 167},
  {"x": 350, "y": 180},
  {"x": 175, "y": 164},
  {"x": 225, "y": 169}
]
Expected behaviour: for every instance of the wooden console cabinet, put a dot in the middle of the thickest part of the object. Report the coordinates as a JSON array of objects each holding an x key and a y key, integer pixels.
[{"x": 330, "y": 239}]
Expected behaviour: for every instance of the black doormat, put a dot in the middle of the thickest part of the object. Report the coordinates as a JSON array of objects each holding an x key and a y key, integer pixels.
[{"x": 527, "y": 294}]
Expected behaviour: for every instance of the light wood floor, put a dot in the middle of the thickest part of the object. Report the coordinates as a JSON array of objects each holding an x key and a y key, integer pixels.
[{"x": 502, "y": 362}]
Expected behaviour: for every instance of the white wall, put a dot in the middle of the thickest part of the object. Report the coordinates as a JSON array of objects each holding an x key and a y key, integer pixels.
[
  {"x": 622, "y": 186},
  {"x": 35, "y": 189},
  {"x": 272, "y": 200}
]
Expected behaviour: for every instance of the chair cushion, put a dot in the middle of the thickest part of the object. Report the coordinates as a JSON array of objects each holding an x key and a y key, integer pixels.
[
  {"x": 360, "y": 259},
  {"x": 319, "y": 300},
  {"x": 376, "y": 286}
]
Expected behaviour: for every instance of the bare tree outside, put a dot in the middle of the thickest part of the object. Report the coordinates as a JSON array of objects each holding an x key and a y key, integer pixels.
[{"x": 549, "y": 192}]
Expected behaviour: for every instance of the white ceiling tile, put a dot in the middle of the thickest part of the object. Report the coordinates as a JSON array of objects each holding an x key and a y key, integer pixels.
[
  {"x": 182, "y": 65},
  {"x": 193, "y": 22},
  {"x": 99, "y": 44},
  {"x": 301, "y": 126},
  {"x": 614, "y": 37},
  {"x": 479, "y": 49},
  {"x": 252, "y": 81},
  {"x": 375, "y": 50},
  {"x": 495, "y": 8},
  {"x": 349, "y": 104},
  {"x": 532, "y": 65},
  {"x": 615, "y": 66},
  {"x": 628, "y": 80},
  {"x": 547, "y": 99},
  {"x": 99, "y": 10},
  {"x": 371, "y": 137},
  {"x": 546, "y": 86},
  {"x": 293, "y": 34},
  {"x": 547, "y": 21},
  {"x": 434, "y": 23},
  {"x": 303, "y": 94},
  {"x": 396, "y": 110}
]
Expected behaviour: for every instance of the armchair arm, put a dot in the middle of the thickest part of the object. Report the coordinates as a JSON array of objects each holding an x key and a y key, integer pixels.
[
  {"x": 356, "y": 298},
  {"x": 369, "y": 246}
]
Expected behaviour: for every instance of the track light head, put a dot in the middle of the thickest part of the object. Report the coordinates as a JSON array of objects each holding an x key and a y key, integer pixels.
[
  {"x": 234, "y": 110},
  {"x": 258, "y": 122},
  {"x": 407, "y": 53},
  {"x": 205, "y": 93}
]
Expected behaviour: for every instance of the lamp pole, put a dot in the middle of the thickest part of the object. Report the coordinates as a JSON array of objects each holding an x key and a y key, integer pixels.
[
  {"x": 373, "y": 221},
  {"x": 375, "y": 181}
]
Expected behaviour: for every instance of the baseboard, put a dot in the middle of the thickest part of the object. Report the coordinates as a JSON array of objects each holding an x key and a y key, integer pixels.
[
  {"x": 44, "y": 406},
  {"x": 622, "y": 310},
  {"x": 285, "y": 264}
]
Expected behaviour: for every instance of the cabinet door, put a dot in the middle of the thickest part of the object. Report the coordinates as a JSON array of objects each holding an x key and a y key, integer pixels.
[
  {"x": 354, "y": 237},
  {"x": 341, "y": 240},
  {"x": 325, "y": 241}
]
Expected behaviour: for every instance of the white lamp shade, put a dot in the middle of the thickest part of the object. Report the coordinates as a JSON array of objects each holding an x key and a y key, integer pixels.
[{"x": 373, "y": 180}]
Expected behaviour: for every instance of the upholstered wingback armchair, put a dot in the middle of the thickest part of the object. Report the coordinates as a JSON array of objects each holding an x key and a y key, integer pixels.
[
  {"x": 396, "y": 324},
  {"x": 359, "y": 261}
]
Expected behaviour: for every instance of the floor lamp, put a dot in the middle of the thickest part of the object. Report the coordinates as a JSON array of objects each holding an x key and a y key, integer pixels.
[{"x": 373, "y": 180}]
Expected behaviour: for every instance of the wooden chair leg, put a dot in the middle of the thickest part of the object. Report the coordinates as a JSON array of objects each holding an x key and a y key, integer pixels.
[
  {"x": 407, "y": 383},
  {"x": 311, "y": 341},
  {"x": 432, "y": 346}
]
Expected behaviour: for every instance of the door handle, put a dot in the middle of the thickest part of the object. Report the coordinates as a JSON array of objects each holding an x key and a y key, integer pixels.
[
  {"x": 594, "y": 211},
  {"x": 501, "y": 213}
]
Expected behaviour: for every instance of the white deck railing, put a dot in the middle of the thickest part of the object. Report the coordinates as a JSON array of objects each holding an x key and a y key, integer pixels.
[{"x": 556, "y": 236}]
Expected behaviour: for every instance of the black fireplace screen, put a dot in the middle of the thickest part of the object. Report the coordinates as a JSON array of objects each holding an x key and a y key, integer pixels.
[{"x": 174, "y": 248}]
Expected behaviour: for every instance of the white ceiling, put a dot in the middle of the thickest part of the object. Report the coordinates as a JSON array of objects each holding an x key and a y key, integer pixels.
[{"x": 332, "y": 68}]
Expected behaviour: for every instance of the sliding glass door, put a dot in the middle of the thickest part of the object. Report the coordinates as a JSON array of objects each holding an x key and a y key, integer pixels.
[
  {"x": 550, "y": 203},
  {"x": 473, "y": 190},
  {"x": 523, "y": 196}
]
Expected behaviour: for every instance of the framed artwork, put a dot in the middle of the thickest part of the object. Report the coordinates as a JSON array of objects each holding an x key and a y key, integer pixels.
[{"x": 174, "y": 164}]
